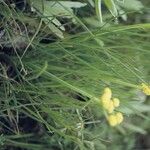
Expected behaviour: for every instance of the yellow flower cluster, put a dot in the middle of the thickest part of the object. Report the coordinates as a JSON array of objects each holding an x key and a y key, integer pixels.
[
  {"x": 145, "y": 88},
  {"x": 115, "y": 119},
  {"x": 109, "y": 104}
]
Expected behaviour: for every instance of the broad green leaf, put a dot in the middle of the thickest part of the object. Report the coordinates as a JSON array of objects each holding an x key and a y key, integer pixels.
[
  {"x": 91, "y": 2},
  {"x": 111, "y": 7},
  {"x": 50, "y": 9},
  {"x": 122, "y": 13},
  {"x": 132, "y": 5},
  {"x": 70, "y": 4},
  {"x": 58, "y": 24},
  {"x": 60, "y": 8},
  {"x": 54, "y": 29}
]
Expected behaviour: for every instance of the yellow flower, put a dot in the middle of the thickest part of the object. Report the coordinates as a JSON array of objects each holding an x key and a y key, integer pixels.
[
  {"x": 105, "y": 103},
  {"x": 109, "y": 105},
  {"x": 106, "y": 100},
  {"x": 112, "y": 120},
  {"x": 110, "y": 108},
  {"x": 145, "y": 88},
  {"x": 107, "y": 94},
  {"x": 119, "y": 117},
  {"x": 116, "y": 102},
  {"x": 115, "y": 119}
]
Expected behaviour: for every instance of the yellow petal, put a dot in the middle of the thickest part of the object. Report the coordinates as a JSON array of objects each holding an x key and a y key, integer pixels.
[
  {"x": 146, "y": 91},
  {"x": 119, "y": 117},
  {"x": 112, "y": 120},
  {"x": 116, "y": 102},
  {"x": 105, "y": 97},
  {"x": 105, "y": 103},
  {"x": 145, "y": 88},
  {"x": 108, "y": 93},
  {"x": 111, "y": 107}
]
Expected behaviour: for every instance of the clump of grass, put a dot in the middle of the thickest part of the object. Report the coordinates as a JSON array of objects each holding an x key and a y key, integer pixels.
[{"x": 55, "y": 101}]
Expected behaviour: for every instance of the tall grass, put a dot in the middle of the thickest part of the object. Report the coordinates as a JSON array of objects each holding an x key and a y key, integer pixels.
[{"x": 55, "y": 101}]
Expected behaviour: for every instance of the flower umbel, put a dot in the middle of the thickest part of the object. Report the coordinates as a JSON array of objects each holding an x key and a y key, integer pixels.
[
  {"x": 115, "y": 119},
  {"x": 109, "y": 104},
  {"x": 116, "y": 102},
  {"x": 145, "y": 88},
  {"x": 107, "y": 94},
  {"x": 119, "y": 117},
  {"x": 106, "y": 100},
  {"x": 111, "y": 107},
  {"x": 112, "y": 120}
]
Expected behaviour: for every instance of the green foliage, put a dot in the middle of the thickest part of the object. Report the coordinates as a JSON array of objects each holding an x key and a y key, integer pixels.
[
  {"x": 50, "y": 10},
  {"x": 117, "y": 8},
  {"x": 132, "y": 5},
  {"x": 50, "y": 96}
]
